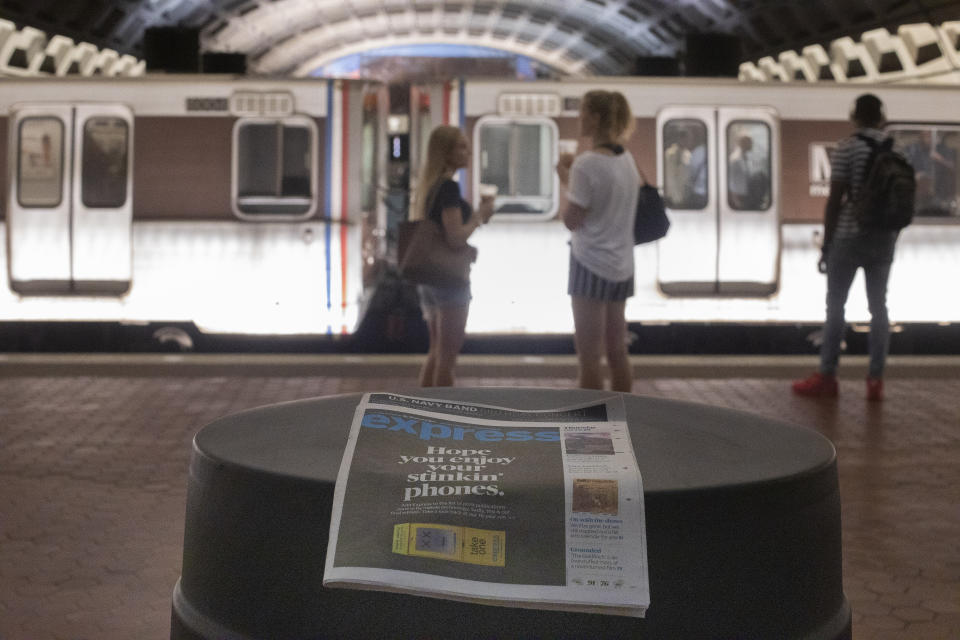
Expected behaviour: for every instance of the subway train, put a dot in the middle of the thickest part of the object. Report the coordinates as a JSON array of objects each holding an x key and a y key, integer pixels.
[
  {"x": 269, "y": 206},
  {"x": 236, "y": 206}
]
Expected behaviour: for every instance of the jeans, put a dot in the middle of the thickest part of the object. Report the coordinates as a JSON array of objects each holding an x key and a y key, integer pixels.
[{"x": 874, "y": 252}]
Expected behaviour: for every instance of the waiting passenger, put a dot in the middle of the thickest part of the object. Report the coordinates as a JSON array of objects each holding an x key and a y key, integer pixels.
[
  {"x": 698, "y": 172},
  {"x": 685, "y": 171},
  {"x": 945, "y": 175},
  {"x": 602, "y": 187},
  {"x": 676, "y": 167},
  {"x": 746, "y": 184},
  {"x": 920, "y": 154},
  {"x": 846, "y": 248},
  {"x": 445, "y": 308}
]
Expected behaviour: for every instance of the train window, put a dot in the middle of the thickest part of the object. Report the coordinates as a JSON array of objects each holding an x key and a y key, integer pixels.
[
  {"x": 295, "y": 173},
  {"x": 748, "y": 165},
  {"x": 103, "y": 167},
  {"x": 933, "y": 151},
  {"x": 274, "y": 163},
  {"x": 40, "y": 162},
  {"x": 685, "y": 168},
  {"x": 518, "y": 156}
]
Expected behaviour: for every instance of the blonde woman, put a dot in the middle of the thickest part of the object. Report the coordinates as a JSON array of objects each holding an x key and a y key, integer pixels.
[
  {"x": 602, "y": 186},
  {"x": 438, "y": 198}
]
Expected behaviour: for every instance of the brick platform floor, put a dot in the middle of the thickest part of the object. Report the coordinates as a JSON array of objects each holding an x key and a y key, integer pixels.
[{"x": 93, "y": 478}]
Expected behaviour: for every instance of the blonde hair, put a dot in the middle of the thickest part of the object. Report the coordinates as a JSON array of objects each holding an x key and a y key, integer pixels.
[
  {"x": 440, "y": 147},
  {"x": 614, "y": 119}
]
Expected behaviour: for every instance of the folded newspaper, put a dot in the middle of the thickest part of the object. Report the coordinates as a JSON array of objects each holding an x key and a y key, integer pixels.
[{"x": 492, "y": 505}]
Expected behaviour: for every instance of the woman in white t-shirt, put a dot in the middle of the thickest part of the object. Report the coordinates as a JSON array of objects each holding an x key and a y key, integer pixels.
[{"x": 602, "y": 187}]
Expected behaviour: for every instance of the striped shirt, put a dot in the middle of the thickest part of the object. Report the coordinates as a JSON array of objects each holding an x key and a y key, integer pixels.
[{"x": 848, "y": 163}]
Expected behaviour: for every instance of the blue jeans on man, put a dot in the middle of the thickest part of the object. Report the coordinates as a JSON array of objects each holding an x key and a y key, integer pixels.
[{"x": 872, "y": 251}]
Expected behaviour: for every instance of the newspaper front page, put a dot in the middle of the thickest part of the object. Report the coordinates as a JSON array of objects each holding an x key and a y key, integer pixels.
[{"x": 458, "y": 500}]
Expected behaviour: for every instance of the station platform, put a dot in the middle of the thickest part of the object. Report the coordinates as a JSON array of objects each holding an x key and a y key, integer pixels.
[{"x": 94, "y": 452}]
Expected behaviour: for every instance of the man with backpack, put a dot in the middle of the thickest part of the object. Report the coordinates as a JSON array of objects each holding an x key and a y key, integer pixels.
[{"x": 871, "y": 198}]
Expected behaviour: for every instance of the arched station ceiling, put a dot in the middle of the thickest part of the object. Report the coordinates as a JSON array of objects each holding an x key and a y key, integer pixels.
[{"x": 573, "y": 36}]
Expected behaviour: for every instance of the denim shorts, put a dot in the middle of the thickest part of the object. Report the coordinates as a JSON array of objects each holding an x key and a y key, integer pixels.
[{"x": 435, "y": 297}]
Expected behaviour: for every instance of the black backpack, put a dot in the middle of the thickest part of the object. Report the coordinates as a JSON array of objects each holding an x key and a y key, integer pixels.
[{"x": 886, "y": 198}]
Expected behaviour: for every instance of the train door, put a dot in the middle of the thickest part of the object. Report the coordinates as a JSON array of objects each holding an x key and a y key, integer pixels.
[
  {"x": 718, "y": 169},
  {"x": 70, "y": 199}
]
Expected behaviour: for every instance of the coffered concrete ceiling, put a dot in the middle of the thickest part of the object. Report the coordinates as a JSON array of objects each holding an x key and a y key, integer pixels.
[{"x": 572, "y": 36}]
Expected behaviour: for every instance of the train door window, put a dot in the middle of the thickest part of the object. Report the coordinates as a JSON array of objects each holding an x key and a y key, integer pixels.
[
  {"x": 257, "y": 160},
  {"x": 274, "y": 167},
  {"x": 518, "y": 156},
  {"x": 104, "y": 163},
  {"x": 748, "y": 166},
  {"x": 40, "y": 170},
  {"x": 295, "y": 174},
  {"x": 685, "y": 162},
  {"x": 933, "y": 151}
]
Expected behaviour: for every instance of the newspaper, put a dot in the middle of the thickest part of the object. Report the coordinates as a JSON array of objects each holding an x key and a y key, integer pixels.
[{"x": 492, "y": 505}]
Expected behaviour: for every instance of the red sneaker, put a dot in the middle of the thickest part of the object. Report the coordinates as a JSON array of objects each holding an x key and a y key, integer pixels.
[
  {"x": 874, "y": 389},
  {"x": 816, "y": 385}
]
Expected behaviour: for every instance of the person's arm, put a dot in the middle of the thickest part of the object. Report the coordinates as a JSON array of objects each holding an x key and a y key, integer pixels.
[
  {"x": 573, "y": 216},
  {"x": 455, "y": 230},
  {"x": 831, "y": 215},
  {"x": 578, "y": 191}
]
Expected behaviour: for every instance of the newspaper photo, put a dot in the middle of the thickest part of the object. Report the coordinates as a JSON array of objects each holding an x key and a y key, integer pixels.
[{"x": 493, "y": 505}]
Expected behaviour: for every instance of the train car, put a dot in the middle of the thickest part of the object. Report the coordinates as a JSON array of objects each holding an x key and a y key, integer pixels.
[
  {"x": 733, "y": 255},
  {"x": 265, "y": 206},
  {"x": 236, "y": 205}
]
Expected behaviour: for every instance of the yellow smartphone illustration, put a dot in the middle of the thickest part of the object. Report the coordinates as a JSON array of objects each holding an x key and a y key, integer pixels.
[{"x": 450, "y": 542}]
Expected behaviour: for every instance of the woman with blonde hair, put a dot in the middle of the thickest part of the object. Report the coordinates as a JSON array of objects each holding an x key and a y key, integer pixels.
[
  {"x": 438, "y": 198},
  {"x": 602, "y": 187}
]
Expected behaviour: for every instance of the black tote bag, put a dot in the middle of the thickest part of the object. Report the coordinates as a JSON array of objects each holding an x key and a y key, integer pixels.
[{"x": 651, "y": 222}]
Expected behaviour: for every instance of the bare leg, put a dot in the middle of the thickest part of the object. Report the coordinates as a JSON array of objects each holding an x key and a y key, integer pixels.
[
  {"x": 621, "y": 373},
  {"x": 430, "y": 364},
  {"x": 588, "y": 325},
  {"x": 451, "y": 330}
]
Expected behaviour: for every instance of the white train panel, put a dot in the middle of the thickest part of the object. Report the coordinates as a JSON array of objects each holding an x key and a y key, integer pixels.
[
  {"x": 192, "y": 232},
  {"x": 226, "y": 277},
  {"x": 520, "y": 281}
]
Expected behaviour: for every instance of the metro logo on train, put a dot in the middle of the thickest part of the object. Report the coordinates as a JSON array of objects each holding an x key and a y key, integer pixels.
[{"x": 820, "y": 167}]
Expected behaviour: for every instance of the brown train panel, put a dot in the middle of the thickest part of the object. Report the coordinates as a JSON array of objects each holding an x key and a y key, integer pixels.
[
  {"x": 643, "y": 145},
  {"x": 796, "y": 136},
  {"x": 182, "y": 168}
]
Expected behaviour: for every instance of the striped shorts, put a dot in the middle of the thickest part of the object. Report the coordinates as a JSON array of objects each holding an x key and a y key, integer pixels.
[{"x": 586, "y": 284}]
